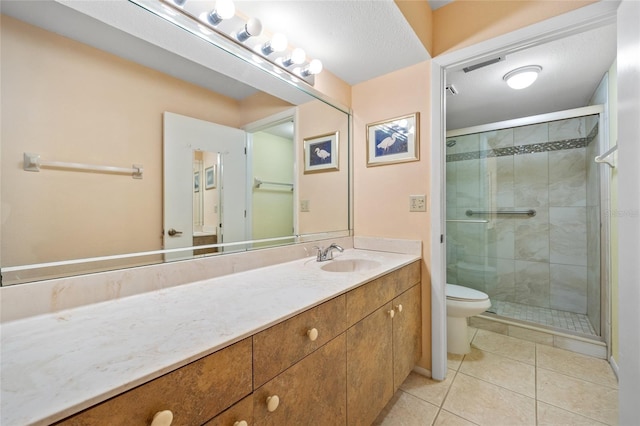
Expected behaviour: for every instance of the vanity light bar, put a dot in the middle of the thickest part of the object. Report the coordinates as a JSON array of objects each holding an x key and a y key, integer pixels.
[{"x": 205, "y": 27}]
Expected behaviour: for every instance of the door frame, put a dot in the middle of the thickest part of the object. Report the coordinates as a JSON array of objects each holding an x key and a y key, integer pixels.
[{"x": 577, "y": 21}]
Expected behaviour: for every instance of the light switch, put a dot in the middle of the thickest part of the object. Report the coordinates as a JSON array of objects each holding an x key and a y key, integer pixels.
[
  {"x": 304, "y": 205},
  {"x": 417, "y": 203}
]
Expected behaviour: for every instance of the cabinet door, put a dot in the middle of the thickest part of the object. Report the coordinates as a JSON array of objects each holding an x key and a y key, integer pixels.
[
  {"x": 311, "y": 392},
  {"x": 407, "y": 334},
  {"x": 369, "y": 366}
]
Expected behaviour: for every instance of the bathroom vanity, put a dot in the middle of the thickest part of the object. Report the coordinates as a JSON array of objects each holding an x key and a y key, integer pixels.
[{"x": 293, "y": 343}]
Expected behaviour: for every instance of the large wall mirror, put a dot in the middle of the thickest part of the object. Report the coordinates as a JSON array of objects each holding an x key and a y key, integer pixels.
[{"x": 109, "y": 83}]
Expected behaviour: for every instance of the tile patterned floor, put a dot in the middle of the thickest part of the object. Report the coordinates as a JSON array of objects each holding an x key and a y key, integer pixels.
[
  {"x": 508, "y": 381},
  {"x": 545, "y": 316}
]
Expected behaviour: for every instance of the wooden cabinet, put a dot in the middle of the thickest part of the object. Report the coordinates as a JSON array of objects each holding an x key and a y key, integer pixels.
[
  {"x": 194, "y": 393},
  {"x": 369, "y": 366},
  {"x": 235, "y": 415},
  {"x": 311, "y": 392},
  {"x": 383, "y": 346},
  {"x": 407, "y": 334},
  {"x": 338, "y": 363},
  {"x": 277, "y": 348}
]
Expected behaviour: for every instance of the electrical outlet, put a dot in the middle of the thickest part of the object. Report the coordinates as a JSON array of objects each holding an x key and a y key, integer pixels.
[
  {"x": 417, "y": 203},
  {"x": 304, "y": 206}
]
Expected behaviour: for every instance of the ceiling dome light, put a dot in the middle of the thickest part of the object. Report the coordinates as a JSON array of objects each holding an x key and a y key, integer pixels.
[{"x": 522, "y": 77}]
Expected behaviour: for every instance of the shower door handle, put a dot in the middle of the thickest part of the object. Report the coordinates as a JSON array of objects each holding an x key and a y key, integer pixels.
[{"x": 467, "y": 220}]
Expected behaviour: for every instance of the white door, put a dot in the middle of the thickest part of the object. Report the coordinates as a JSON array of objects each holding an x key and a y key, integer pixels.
[
  {"x": 628, "y": 209},
  {"x": 182, "y": 136}
]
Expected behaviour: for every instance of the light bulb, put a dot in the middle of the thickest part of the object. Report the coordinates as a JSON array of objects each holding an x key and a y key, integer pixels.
[
  {"x": 224, "y": 9},
  {"x": 296, "y": 58},
  {"x": 252, "y": 28},
  {"x": 278, "y": 43},
  {"x": 314, "y": 67}
]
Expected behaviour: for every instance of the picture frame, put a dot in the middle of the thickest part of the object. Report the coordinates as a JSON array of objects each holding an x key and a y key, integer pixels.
[
  {"x": 321, "y": 153},
  {"x": 196, "y": 181},
  {"x": 210, "y": 177},
  {"x": 395, "y": 140}
]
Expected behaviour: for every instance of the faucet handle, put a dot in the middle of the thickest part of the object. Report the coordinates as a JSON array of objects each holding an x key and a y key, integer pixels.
[{"x": 319, "y": 253}]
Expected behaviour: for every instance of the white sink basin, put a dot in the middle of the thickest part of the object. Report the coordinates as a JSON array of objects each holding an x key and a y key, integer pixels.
[{"x": 350, "y": 265}]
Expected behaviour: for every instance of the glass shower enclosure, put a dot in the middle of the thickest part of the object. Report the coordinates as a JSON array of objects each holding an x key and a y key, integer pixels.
[{"x": 523, "y": 218}]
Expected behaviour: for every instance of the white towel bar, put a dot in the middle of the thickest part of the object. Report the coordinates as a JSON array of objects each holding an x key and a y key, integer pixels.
[
  {"x": 608, "y": 157},
  {"x": 33, "y": 163}
]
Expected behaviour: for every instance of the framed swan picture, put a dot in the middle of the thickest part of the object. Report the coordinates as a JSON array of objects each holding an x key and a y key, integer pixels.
[
  {"x": 393, "y": 141},
  {"x": 321, "y": 153}
]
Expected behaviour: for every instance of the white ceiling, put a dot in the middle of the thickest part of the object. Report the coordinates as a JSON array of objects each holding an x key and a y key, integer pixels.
[
  {"x": 572, "y": 68},
  {"x": 359, "y": 40},
  {"x": 355, "y": 40}
]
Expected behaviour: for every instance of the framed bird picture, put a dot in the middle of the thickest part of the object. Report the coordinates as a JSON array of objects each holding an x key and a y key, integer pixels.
[
  {"x": 321, "y": 153},
  {"x": 393, "y": 141}
]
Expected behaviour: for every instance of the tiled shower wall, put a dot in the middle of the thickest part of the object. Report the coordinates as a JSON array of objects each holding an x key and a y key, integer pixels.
[{"x": 541, "y": 260}]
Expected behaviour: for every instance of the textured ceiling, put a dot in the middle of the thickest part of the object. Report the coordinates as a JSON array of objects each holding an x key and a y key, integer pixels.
[
  {"x": 572, "y": 68},
  {"x": 355, "y": 40},
  {"x": 358, "y": 40}
]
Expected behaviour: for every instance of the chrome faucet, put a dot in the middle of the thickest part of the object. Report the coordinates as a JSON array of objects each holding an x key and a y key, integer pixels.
[{"x": 327, "y": 254}]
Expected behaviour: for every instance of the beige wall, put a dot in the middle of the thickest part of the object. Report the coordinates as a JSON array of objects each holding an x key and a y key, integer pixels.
[
  {"x": 326, "y": 191},
  {"x": 466, "y": 22},
  {"x": 420, "y": 16},
  {"x": 70, "y": 102},
  {"x": 381, "y": 193}
]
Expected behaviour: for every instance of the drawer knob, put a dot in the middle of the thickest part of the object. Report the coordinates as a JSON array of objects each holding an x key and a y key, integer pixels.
[
  {"x": 391, "y": 313},
  {"x": 241, "y": 423},
  {"x": 399, "y": 308},
  {"x": 313, "y": 334},
  {"x": 162, "y": 418},
  {"x": 272, "y": 403}
]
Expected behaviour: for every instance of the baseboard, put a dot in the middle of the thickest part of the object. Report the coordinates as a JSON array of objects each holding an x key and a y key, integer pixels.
[
  {"x": 422, "y": 371},
  {"x": 614, "y": 366}
]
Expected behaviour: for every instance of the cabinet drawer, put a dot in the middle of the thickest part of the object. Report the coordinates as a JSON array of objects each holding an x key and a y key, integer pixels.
[
  {"x": 277, "y": 348},
  {"x": 407, "y": 277},
  {"x": 194, "y": 393},
  {"x": 240, "y": 411},
  {"x": 367, "y": 298},
  {"x": 310, "y": 393}
]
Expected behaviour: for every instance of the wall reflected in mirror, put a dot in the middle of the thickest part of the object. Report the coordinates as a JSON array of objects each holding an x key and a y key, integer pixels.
[{"x": 71, "y": 102}]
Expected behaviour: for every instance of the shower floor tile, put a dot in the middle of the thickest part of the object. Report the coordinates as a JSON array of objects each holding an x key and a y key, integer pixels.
[{"x": 545, "y": 316}]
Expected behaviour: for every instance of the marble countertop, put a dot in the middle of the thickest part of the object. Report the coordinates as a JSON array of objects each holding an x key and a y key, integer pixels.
[{"x": 55, "y": 365}]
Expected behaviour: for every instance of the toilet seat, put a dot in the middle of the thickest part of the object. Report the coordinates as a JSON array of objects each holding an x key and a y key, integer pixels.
[{"x": 458, "y": 292}]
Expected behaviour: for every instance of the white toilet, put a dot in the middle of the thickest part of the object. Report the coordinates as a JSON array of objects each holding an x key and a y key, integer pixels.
[{"x": 462, "y": 302}]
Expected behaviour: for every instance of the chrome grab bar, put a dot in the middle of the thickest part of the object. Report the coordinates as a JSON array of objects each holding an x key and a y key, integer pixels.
[
  {"x": 530, "y": 212},
  {"x": 467, "y": 221}
]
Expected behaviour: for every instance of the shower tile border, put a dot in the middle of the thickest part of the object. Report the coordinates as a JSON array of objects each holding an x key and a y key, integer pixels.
[{"x": 526, "y": 149}]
